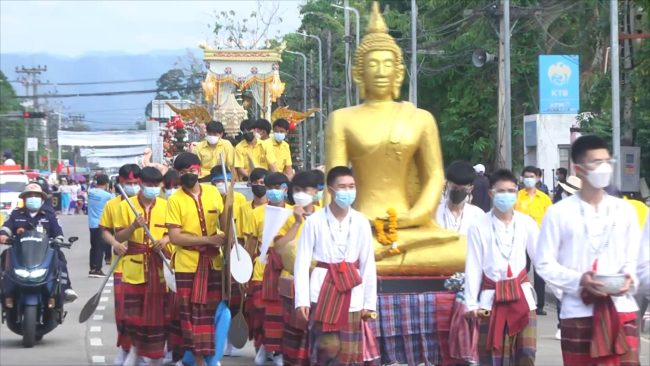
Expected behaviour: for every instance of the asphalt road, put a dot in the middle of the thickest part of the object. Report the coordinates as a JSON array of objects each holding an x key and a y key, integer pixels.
[{"x": 93, "y": 343}]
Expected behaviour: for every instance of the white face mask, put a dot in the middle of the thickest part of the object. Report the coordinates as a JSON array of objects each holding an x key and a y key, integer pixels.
[
  {"x": 212, "y": 140},
  {"x": 601, "y": 176},
  {"x": 302, "y": 199}
]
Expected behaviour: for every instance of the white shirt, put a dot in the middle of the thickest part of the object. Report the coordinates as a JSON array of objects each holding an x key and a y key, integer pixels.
[
  {"x": 327, "y": 240},
  {"x": 491, "y": 246},
  {"x": 573, "y": 235},
  {"x": 643, "y": 270},
  {"x": 460, "y": 224}
]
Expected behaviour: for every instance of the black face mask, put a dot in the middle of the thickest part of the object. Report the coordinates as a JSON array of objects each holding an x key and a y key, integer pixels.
[
  {"x": 457, "y": 196},
  {"x": 189, "y": 180},
  {"x": 248, "y": 136},
  {"x": 258, "y": 190}
]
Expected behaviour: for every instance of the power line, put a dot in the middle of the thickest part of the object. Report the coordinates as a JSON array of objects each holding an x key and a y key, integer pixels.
[
  {"x": 96, "y": 82},
  {"x": 100, "y": 94}
]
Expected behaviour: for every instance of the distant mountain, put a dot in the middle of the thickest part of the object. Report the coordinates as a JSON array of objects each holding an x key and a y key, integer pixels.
[{"x": 102, "y": 112}]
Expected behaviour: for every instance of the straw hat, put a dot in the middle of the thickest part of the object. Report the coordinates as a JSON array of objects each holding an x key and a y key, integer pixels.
[
  {"x": 33, "y": 188},
  {"x": 572, "y": 185}
]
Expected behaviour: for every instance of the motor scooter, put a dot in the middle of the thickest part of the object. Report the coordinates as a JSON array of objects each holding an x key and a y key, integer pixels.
[{"x": 30, "y": 285}]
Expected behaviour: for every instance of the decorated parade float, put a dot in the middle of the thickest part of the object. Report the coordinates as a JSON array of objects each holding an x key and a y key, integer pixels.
[{"x": 394, "y": 150}]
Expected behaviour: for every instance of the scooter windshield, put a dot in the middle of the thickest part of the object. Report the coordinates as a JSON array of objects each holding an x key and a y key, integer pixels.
[{"x": 31, "y": 248}]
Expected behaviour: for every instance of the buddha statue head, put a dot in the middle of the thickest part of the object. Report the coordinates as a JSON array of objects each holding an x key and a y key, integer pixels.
[{"x": 378, "y": 68}]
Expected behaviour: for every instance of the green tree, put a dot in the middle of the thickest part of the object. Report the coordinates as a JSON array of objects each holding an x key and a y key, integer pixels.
[{"x": 12, "y": 130}]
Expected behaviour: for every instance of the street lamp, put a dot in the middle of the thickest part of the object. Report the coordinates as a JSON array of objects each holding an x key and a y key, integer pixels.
[
  {"x": 321, "y": 142},
  {"x": 358, "y": 32},
  {"x": 304, "y": 106}
]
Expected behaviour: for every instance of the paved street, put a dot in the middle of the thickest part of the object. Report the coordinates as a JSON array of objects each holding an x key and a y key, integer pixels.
[{"x": 93, "y": 343}]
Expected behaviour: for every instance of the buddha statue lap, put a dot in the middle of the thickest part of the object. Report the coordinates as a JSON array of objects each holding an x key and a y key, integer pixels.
[{"x": 394, "y": 150}]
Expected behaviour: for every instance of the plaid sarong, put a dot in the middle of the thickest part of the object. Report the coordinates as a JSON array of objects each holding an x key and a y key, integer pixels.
[
  {"x": 122, "y": 337},
  {"x": 335, "y": 294},
  {"x": 200, "y": 283},
  {"x": 147, "y": 335},
  {"x": 517, "y": 350},
  {"x": 577, "y": 336},
  {"x": 608, "y": 339},
  {"x": 272, "y": 325},
  {"x": 295, "y": 336},
  {"x": 197, "y": 320},
  {"x": 147, "y": 305},
  {"x": 174, "y": 333},
  {"x": 407, "y": 331},
  {"x": 344, "y": 346},
  {"x": 255, "y": 312},
  {"x": 509, "y": 311},
  {"x": 272, "y": 272}
]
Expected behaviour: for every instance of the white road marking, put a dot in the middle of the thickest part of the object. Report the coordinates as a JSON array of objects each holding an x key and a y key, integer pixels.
[
  {"x": 103, "y": 299},
  {"x": 97, "y": 342},
  {"x": 95, "y": 329},
  {"x": 109, "y": 284},
  {"x": 99, "y": 359},
  {"x": 107, "y": 291},
  {"x": 101, "y": 307},
  {"x": 98, "y": 317}
]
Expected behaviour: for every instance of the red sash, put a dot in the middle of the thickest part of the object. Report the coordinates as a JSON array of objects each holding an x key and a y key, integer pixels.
[
  {"x": 200, "y": 286},
  {"x": 607, "y": 338},
  {"x": 335, "y": 295},
  {"x": 155, "y": 289},
  {"x": 272, "y": 276},
  {"x": 509, "y": 308}
]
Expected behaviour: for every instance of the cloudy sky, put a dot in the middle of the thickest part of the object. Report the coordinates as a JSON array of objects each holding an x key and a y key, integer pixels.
[{"x": 72, "y": 28}]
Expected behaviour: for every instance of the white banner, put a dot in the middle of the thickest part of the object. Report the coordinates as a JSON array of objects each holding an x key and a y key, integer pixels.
[
  {"x": 104, "y": 138},
  {"x": 112, "y": 151},
  {"x": 113, "y": 162},
  {"x": 274, "y": 219},
  {"x": 32, "y": 144}
]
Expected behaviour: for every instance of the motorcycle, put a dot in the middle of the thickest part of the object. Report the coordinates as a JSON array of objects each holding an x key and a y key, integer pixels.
[{"x": 31, "y": 291}]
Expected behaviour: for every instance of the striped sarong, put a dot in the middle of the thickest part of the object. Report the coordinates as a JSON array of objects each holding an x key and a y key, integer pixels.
[
  {"x": 344, "y": 346},
  {"x": 197, "y": 319},
  {"x": 517, "y": 350},
  {"x": 146, "y": 335},
  {"x": 577, "y": 334},
  {"x": 174, "y": 333},
  {"x": 255, "y": 312},
  {"x": 272, "y": 325},
  {"x": 295, "y": 336},
  {"x": 122, "y": 336}
]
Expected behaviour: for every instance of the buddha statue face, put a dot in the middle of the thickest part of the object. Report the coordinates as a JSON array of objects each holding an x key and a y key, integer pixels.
[{"x": 381, "y": 75}]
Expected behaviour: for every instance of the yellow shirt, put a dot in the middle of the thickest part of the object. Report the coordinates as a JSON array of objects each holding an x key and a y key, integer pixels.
[
  {"x": 107, "y": 221},
  {"x": 133, "y": 265},
  {"x": 535, "y": 206},
  {"x": 261, "y": 154},
  {"x": 239, "y": 211},
  {"x": 282, "y": 154},
  {"x": 290, "y": 250},
  {"x": 641, "y": 210},
  {"x": 210, "y": 155},
  {"x": 195, "y": 216}
]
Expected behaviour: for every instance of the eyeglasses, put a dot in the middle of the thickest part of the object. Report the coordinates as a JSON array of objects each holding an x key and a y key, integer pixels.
[
  {"x": 596, "y": 163},
  {"x": 514, "y": 190}
]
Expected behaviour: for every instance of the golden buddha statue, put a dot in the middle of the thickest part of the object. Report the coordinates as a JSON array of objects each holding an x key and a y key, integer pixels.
[{"x": 394, "y": 150}]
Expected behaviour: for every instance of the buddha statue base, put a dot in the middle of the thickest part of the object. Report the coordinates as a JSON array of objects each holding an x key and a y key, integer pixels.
[{"x": 423, "y": 254}]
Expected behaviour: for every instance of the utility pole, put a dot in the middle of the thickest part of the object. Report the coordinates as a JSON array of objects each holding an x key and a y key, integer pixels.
[
  {"x": 504, "y": 126},
  {"x": 616, "y": 88},
  {"x": 312, "y": 102},
  {"x": 328, "y": 44},
  {"x": 348, "y": 39},
  {"x": 303, "y": 129},
  {"x": 413, "y": 81},
  {"x": 30, "y": 79},
  {"x": 356, "y": 44}
]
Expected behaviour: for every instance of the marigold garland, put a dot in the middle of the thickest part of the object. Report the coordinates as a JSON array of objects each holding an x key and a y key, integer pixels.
[{"x": 389, "y": 238}]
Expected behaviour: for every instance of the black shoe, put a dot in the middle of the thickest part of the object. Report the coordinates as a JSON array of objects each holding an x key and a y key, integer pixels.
[
  {"x": 96, "y": 274},
  {"x": 540, "y": 312}
]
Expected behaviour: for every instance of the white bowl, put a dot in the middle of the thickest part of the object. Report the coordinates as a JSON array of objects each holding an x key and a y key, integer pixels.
[{"x": 612, "y": 282}]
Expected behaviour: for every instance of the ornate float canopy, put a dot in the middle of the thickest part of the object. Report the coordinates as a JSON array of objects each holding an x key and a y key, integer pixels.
[
  {"x": 254, "y": 70},
  {"x": 230, "y": 113}
]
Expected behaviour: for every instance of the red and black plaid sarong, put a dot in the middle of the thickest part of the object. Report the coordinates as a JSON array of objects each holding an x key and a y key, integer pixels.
[
  {"x": 122, "y": 337},
  {"x": 295, "y": 336},
  {"x": 510, "y": 309},
  {"x": 578, "y": 335},
  {"x": 255, "y": 312},
  {"x": 197, "y": 319},
  {"x": 272, "y": 324},
  {"x": 146, "y": 306},
  {"x": 272, "y": 272},
  {"x": 335, "y": 294}
]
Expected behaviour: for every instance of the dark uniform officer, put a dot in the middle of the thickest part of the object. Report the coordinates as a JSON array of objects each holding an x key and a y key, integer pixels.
[{"x": 33, "y": 216}]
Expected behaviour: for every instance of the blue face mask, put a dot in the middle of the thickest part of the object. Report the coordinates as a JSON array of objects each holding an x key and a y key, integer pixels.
[
  {"x": 169, "y": 192},
  {"x": 151, "y": 192},
  {"x": 345, "y": 198},
  {"x": 33, "y": 203},
  {"x": 504, "y": 201},
  {"x": 318, "y": 197},
  {"x": 530, "y": 182},
  {"x": 275, "y": 195},
  {"x": 279, "y": 136},
  {"x": 131, "y": 190}
]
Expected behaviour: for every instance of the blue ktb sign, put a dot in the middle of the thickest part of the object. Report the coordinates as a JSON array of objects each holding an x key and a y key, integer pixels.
[{"x": 559, "y": 84}]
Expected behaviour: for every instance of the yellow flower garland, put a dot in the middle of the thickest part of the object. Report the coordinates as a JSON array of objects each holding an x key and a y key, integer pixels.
[{"x": 391, "y": 238}]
